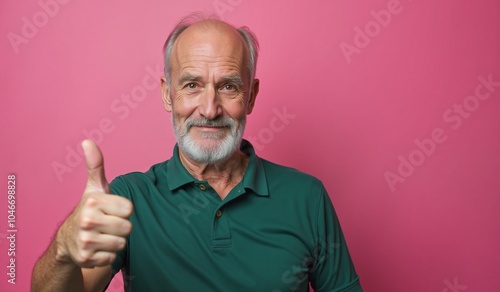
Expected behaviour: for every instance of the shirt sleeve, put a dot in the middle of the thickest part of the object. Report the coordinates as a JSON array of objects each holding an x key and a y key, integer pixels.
[{"x": 332, "y": 269}]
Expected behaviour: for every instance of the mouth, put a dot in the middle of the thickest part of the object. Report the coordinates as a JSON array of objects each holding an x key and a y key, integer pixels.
[
  {"x": 212, "y": 129},
  {"x": 208, "y": 128}
]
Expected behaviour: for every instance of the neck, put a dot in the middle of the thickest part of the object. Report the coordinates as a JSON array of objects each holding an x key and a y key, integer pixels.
[{"x": 222, "y": 176}]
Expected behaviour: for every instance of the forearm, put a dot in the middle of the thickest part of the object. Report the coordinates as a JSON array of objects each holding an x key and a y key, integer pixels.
[{"x": 54, "y": 273}]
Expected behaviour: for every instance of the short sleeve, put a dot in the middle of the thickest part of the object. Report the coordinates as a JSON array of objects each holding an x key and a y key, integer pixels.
[{"x": 332, "y": 269}]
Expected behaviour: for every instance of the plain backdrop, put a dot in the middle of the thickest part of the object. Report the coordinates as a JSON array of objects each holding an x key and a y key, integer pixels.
[{"x": 394, "y": 105}]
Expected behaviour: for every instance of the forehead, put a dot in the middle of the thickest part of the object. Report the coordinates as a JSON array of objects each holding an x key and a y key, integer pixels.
[{"x": 209, "y": 43}]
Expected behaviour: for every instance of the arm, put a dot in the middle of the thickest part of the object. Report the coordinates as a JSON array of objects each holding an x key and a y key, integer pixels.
[
  {"x": 53, "y": 274},
  {"x": 79, "y": 257}
]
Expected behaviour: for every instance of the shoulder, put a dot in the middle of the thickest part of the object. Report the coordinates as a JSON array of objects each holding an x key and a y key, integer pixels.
[
  {"x": 126, "y": 183},
  {"x": 280, "y": 172},
  {"x": 292, "y": 182}
]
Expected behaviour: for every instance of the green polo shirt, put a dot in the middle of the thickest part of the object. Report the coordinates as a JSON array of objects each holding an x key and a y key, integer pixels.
[{"x": 275, "y": 231}]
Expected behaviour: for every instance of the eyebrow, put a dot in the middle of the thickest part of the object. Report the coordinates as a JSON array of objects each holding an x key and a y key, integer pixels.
[
  {"x": 236, "y": 79},
  {"x": 187, "y": 77}
]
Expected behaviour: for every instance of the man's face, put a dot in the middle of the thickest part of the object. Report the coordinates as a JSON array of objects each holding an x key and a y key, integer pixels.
[{"x": 209, "y": 94}]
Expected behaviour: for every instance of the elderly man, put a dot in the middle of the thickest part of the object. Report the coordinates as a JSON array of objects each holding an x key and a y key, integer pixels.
[{"x": 215, "y": 217}]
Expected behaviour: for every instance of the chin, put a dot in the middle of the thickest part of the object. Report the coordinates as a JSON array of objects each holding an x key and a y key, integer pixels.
[{"x": 209, "y": 150}]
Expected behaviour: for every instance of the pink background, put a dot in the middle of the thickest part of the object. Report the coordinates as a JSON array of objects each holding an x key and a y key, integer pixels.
[{"x": 354, "y": 115}]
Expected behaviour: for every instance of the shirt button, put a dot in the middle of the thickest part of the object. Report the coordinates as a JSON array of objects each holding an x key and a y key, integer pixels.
[
  {"x": 218, "y": 213},
  {"x": 202, "y": 187}
]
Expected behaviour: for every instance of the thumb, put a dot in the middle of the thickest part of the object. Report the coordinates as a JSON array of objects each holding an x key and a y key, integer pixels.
[{"x": 95, "y": 167}]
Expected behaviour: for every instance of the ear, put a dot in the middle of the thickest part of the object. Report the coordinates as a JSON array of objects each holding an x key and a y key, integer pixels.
[
  {"x": 253, "y": 96},
  {"x": 165, "y": 95}
]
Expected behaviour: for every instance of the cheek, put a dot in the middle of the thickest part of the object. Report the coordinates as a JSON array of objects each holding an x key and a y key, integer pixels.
[
  {"x": 183, "y": 106},
  {"x": 236, "y": 108}
]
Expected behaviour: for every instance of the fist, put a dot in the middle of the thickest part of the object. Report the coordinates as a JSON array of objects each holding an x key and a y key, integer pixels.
[{"x": 97, "y": 228}]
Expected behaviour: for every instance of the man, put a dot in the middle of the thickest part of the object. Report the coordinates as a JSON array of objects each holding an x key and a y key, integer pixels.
[{"x": 215, "y": 217}]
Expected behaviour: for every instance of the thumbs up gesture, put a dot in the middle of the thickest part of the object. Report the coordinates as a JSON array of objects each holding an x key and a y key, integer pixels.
[{"x": 96, "y": 229}]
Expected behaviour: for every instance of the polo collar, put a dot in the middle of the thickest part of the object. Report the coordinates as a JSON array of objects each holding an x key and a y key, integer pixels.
[
  {"x": 255, "y": 175},
  {"x": 177, "y": 174},
  {"x": 253, "y": 179}
]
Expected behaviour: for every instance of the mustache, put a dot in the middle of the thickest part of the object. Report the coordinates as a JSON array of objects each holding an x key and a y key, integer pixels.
[{"x": 204, "y": 122}]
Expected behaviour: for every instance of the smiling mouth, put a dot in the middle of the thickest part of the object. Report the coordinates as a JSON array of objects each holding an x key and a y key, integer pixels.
[
  {"x": 210, "y": 132},
  {"x": 209, "y": 127},
  {"x": 215, "y": 126}
]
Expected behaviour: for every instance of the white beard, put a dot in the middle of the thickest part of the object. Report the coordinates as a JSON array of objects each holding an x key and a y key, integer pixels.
[{"x": 220, "y": 149}]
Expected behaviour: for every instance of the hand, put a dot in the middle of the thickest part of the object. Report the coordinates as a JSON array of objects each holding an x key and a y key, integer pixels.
[{"x": 96, "y": 230}]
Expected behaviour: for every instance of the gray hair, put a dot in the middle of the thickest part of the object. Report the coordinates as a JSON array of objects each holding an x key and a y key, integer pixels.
[{"x": 247, "y": 35}]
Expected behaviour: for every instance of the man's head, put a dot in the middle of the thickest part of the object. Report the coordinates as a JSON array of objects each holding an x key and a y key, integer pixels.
[
  {"x": 195, "y": 18},
  {"x": 209, "y": 86}
]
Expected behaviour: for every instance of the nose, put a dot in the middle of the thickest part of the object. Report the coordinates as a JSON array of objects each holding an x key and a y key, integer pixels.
[{"x": 210, "y": 104}]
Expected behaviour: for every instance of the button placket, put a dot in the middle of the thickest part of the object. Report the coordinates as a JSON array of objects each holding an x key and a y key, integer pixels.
[{"x": 221, "y": 235}]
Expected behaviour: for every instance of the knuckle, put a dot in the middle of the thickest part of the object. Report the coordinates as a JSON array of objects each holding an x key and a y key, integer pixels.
[
  {"x": 91, "y": 200},
  {"x": 85, "y": 241},
  {"x": 86, "y": 222},
  {"x": 84, "y": 256}
]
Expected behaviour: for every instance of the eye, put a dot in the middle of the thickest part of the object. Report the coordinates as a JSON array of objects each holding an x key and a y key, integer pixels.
[
  {"x": 191, "y": 85},
  {"x": 229, "y": 87}
]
